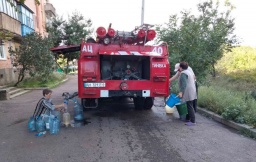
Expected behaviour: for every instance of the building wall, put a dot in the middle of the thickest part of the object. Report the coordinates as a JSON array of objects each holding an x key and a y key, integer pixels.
[
  {"x": 6, "y": 62},
  {"x": 39, "y": 15},
  {"x": 10, "y": 24},
  {"x": 8, "y": 73}
]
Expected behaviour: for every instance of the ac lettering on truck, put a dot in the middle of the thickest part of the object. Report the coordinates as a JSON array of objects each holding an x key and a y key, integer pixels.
[
  {"x": 87, "y": 48},
  {"x": 158, "y": 50},
  {"x": 154, "y": 65}
]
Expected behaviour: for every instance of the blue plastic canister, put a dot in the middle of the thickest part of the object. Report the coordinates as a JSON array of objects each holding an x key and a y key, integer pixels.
[
  {"x": 32, "y": 124},
  {"x": 55, "y": 126},
  {"x": 172, "y": 100},
  {"x": 78, "y": 112},
  {"x": 48, "y": 120},
  {"x": 40, "y": 125}
]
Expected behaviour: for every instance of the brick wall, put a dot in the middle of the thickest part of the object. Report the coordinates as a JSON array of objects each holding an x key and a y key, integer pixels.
[{"x": 8, "y": 76}]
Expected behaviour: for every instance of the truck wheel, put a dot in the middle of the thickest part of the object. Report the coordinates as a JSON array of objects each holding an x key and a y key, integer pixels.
[
  {"x": 148, "y": 103},
  {"x": 138, "y": 102}
]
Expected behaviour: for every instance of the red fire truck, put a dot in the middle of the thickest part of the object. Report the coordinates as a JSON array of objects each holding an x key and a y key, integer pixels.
[{"x": 119, "y": 64}]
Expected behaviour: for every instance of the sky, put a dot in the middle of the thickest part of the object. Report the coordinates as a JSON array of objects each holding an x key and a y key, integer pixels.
[{"x": 126, "y": 14}]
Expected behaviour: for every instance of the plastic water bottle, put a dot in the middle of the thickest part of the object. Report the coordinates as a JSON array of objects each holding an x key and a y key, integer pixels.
[
  {"x": 31, "y": 124},
  {"x": 78, "y": 112},
  {"x": 48, "y": 120},
  {"x": 55, "y": 126},
  {"x": 66, "y": 118},
  {"x": 40, "y": 134},
  {"x": 40, "y": 125},
  {"x": 66, "y": 104}
]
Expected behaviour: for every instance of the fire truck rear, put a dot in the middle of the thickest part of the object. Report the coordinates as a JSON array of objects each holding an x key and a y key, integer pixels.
[{"x": 119, "y": 64}]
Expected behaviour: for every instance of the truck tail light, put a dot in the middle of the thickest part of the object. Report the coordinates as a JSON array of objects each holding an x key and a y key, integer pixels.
[
  {"x": 91, "y": 79},
  {"x": 158, "y": 59},
  {"x": 101, "y": 32},
  {"x": 160, "y": 78},
  {"x": 151, "y": 35}
]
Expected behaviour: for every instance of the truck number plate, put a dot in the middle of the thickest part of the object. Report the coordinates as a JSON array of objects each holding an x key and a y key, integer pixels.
[{"x": 94, "y": 85}]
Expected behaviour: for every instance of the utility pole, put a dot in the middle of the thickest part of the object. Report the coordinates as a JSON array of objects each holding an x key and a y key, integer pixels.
[{"x": 142, "y": 13}]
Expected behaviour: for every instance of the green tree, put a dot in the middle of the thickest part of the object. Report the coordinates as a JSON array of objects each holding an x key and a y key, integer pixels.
[
  {"x": 33, "y": 56},
  {"x": 240, "y": 59},
  {"x": 56, "y": 33},
  {"x": 55, "y": 30},
  {"x": 76, "y": 29},
  {"x": 200, "y": 39},
  {"x": 69, "y": 32}
]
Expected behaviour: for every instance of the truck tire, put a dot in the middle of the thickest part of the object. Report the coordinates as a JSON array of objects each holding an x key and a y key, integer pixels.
[
  {"x": 138, "y": 103},
  {"x": 148, "y": 103}
]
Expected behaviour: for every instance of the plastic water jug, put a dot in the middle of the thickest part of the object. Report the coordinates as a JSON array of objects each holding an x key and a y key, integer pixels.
[
  {"x": 40, "y": 125},
  {"x": 78, "y": 112},
  {"x": 66, "y": 119},
  {"x": 48, "y": 121},
  {"x": 55, "y": 126},
  {"x": 169, "y": 110},
  {"x": 31, "y": 124}
]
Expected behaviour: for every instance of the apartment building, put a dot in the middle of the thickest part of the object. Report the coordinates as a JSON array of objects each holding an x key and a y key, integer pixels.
[{"x": 20, "y": 20}]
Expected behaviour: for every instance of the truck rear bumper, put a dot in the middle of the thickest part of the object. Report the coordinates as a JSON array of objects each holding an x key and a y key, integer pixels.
[{"x": 127, "y": 93}]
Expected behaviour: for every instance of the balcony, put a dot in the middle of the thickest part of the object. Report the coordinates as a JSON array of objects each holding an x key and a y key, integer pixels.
[
  {"x": 49, "y": 10},
  {"x": 10, "y": 24}
]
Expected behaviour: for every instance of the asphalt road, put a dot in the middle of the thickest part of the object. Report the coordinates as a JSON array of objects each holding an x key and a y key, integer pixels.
[{"x": 118, "y": 133}]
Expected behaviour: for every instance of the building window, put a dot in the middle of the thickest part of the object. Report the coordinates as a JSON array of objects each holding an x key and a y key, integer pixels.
[
  {"x": 2, "y": 54},
  {"x": 8, "y": 9},
  {"x": 27, "y": 17}
]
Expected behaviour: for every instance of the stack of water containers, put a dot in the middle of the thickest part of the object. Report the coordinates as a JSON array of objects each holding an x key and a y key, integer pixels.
[{"x": 43, "y": 123}]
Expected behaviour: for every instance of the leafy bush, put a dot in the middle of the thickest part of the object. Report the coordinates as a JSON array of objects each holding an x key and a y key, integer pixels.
[
  {"x": 216, "y": 99},
  {"x": 232, "y": 105},
  {"x": 253, "y": 94},
  {"x": 232, "y": 112},
  {"x": 174, "y": 87}
]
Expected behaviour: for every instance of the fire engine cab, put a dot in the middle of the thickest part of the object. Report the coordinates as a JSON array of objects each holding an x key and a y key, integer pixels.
[{"x": 120, "y": 64}]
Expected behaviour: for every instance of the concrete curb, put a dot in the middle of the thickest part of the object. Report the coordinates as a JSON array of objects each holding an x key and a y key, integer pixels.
[{"x": 220, "y": 119}]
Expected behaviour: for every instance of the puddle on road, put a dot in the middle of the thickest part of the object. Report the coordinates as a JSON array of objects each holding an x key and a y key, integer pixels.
[
  {"x": 103, "y": 114},
  {"x": 79, "y": 123}
]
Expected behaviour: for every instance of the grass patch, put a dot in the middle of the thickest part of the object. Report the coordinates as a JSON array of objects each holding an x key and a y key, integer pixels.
[
  {"x": 247, "y": 133},
  {"x": 232, "y": 100},
  {"x": 35, "y": 82}
]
